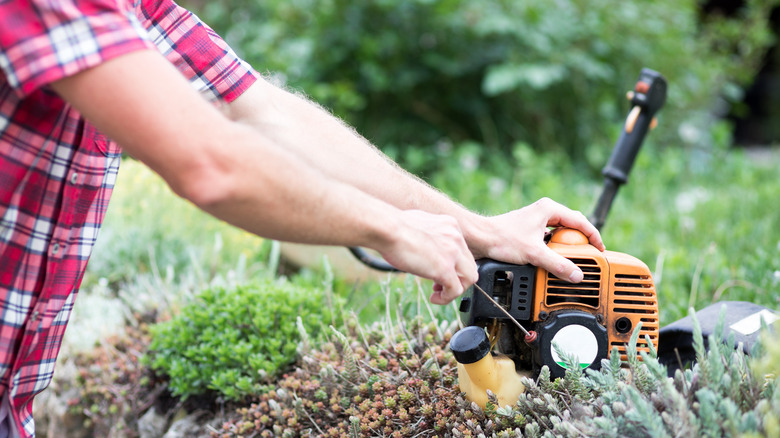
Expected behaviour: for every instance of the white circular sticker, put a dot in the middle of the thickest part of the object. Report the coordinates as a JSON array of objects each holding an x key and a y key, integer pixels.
[{"x": 578, "y": 341}]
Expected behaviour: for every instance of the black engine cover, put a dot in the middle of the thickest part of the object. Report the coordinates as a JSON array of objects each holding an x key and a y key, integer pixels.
[
  {"x": 576, "y": 333},
  {"x": 510, "y": 285}
]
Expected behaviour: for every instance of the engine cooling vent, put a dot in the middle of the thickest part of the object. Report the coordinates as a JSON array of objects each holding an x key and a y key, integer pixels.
[
  {"x": 634, "y": 296},
  {"x": 585, "y": 293}
]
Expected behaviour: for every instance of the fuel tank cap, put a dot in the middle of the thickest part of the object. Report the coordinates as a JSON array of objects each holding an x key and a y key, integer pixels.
[
  {"x": 470, "y": 344},
  {"x": 568, "y": 236}
]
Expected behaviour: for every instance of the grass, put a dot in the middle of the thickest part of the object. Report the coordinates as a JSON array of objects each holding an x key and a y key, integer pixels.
[
  {"x": 705, "y": 222},
  {"x": 150, "y": 236}
]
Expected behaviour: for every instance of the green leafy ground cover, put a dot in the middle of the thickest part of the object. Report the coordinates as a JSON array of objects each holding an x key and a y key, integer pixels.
[
  {"x": 497, "y": 112},
  {"x": 232, "y": 340}
]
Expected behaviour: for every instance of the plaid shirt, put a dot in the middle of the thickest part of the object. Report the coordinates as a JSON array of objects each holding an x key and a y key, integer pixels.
[{"x": 57, "y": 171}]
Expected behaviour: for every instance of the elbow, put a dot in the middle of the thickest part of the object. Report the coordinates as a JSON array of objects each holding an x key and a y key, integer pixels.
[
  {"x": 205, "y": 183},
  {"x": 209, "y": 174}
]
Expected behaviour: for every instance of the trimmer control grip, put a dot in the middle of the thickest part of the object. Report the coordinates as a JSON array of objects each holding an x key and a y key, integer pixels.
[{"x": 648, "y": 97}]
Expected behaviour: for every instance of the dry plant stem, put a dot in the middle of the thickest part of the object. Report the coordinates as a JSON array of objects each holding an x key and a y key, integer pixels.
[
  {"x": 388, "y": 321},
  {"x": 729, "y": 284},
  {"x": 428, "y": 306},
  {"x": 522, "y": 329},
  {"x": 311, "y": 420}
]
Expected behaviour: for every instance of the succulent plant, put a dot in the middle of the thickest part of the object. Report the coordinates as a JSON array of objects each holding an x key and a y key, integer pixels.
[
  {"x": 113, "y": 388},
  {"x": 368, "y": 382},
  {"x": 400, "y": 380}
]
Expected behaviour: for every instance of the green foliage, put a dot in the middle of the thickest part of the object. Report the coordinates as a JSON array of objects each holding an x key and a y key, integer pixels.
[
  {"x": 407, "y": 73},
  {"x": 231, "y": 340},
  {"x": 704, "y": 221}
]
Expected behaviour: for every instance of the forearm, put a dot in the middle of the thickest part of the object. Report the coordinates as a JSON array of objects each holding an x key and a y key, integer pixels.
[
  {"x": 271, "y": 193},
  {"x": 324, "y": 142}
]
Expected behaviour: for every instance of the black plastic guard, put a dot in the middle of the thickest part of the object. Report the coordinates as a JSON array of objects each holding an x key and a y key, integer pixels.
[{"x": 742, "y": 320}]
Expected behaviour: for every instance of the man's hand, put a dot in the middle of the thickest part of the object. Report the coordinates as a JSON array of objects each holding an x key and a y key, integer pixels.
[
  {"x": 518, "y": 237},
  {"x": 450, "y": 264}
]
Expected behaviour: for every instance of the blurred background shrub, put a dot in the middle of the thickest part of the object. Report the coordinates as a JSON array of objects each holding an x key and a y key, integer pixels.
[
  {"x": 552, "y": 75},
  {"x": 528, "y": 100}
]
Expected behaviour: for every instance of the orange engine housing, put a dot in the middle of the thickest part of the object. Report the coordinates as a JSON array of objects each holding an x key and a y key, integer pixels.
[
  {"x": 617, "y": 288},
  {"x": 586, "y": 320}
]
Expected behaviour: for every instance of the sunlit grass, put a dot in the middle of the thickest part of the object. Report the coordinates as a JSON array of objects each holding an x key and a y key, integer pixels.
[{"x": 706, "y": 224}]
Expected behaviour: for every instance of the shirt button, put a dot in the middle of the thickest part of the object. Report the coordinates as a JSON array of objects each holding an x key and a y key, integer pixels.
[
  {"x": 55, "y": 248},
  {"x": 34, "y": 315},
  {"x": 74, "y": 177}
]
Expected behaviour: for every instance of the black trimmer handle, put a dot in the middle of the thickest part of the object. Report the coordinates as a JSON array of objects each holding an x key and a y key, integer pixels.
[
  {"x": 371, "y": 260},
  {"x": 647, "y": 98}
]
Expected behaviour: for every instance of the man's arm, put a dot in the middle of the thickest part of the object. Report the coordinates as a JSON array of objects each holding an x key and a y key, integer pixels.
[
  {"x": 253, "y": 178},
  {"x": 327, "y": 144}
]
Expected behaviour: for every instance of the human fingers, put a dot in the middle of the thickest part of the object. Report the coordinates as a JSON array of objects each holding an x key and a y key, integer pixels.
[
  {"x": 557, "y": 265},
  {"x": 452, "y": 287},
  {"x": 436, "y": 297},
  {"x": 558, "y": 215},
  {"x": 459, "y": 268},
  {"x": 433, "y": 246},
  {"x": 447, "y": 288},
  {"x": 443, "y": 295}
]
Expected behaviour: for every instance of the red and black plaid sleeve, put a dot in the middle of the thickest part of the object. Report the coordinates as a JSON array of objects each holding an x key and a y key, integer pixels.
[
  {"x": 46, "y": 40},
  {"x": 204, "y": 58},
  {"x": 57, "y": 171}
]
